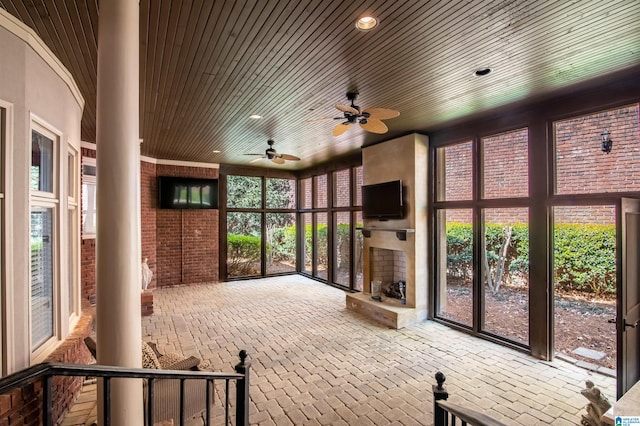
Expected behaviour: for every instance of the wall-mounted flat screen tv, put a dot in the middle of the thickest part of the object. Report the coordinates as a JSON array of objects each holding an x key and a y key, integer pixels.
[
  {"x": 187, "y": 193},
  {"x": 383, "y": 201}
]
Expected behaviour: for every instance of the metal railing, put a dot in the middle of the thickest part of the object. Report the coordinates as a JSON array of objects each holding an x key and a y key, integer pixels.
[
  {"x": 446, "y": 413},
  {"x": 46, "y": 372}
]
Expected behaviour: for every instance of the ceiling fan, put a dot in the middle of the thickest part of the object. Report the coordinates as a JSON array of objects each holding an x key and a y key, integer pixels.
[
  {"x": 369, "y": 119},
  {"x": 271, "y": 154}
]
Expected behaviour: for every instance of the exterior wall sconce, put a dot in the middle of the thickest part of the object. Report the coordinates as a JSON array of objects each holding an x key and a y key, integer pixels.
[{"x": 607, "y": 143}]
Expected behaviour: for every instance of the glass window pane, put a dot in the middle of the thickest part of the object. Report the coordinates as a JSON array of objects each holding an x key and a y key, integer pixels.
[
  {"x": 71, "y": 175},
  {"x": 342, "y": 248},
  {"x": 41, "y": 275},
  {"x": 321, "y": 191},
  {"x": 41, "y": 162},
  {"x": 88, "y": 208},
  {"x": 281, "y": 242},
  {"x": 506, "y": 165},
  {"x": 357, "y": 254},
  {"x": 506, "y": 273},
  {"x": 305, "y": 196},
  {"x": 584, "y": 282},
  {"x": 342, "y": 188},
  {"x": 244, "y": 192},
  {"x": 244, "y": 238},
  {"x": 582, "y": 167},
  {"x": 307, "y": 250},
  {"x": 321, "y": 245},
  {"x": 453, "y": 172},
  {"x": 454, "y": 278},
  {"x": 359, "y": 183},
  {"x": 281, "y": 194}
]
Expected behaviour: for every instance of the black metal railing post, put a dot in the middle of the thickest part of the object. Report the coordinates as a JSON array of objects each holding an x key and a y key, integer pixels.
[
  {"x": 47, "y": 407},
  {"x": 439, "y": 394},
  {"x": 242, "y": 390}
]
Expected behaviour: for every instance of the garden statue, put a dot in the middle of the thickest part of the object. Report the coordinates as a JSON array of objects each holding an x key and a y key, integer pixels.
[
  {"x": 147, "y": 274},
  {"x": 597, "y": 406}
]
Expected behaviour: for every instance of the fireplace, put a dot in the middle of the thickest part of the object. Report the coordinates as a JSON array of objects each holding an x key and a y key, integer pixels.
[
  {"x": 389, "y": 256},
  {"x": 396, "y": 249},
  {"x": 388, "y": 265}
]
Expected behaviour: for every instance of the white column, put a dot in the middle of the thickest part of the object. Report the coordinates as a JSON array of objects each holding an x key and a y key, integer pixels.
[{"x": 119, "y": 327}]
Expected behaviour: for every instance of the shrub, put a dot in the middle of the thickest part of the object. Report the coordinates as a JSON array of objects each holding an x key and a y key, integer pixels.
[
  {"x": 584, "y": 258},
  {"x": 243, "y": 251},
  {"x": 584, "y": 255}
]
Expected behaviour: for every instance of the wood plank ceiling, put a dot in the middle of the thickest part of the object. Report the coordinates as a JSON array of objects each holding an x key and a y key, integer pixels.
[{"x": 206, "y": 66}]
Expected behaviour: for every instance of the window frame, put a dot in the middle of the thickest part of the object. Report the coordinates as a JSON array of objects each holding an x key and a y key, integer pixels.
[
  {"x": 88, "y": 180},
  {"x": 41, "y": 199},
  {"x": 477, "y": 204},
  {"x": 73, "y": 206}
]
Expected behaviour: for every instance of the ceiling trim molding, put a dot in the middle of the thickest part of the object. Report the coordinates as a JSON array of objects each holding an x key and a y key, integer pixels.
[
  {"x": 29, "y": 36},
  {"x": 164, "y": 162},
  {"x": 88, "y": 145}
]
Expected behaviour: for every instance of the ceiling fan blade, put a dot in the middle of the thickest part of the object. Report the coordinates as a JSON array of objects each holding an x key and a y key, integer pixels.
[
  {"x": 340, "y": 129},
  {"x": 255, "y": 160},
  {"x": 374, "y": 125},
  {"x": 347, "y": 108},
  {"x": 254, "y": 154},
  {"x": 382, "y": 113},
  {"x": 289, "y": 157},
  {"x": 278, "y": 160}
]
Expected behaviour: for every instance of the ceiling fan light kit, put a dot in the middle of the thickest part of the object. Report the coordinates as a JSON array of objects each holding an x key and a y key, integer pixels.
[
  {"x": 273, "y": 155},
  {"x": 369, "y": 119}
]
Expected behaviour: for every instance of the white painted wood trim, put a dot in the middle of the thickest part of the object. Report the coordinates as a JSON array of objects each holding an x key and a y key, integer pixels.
[{"x": 7, "y": 334}]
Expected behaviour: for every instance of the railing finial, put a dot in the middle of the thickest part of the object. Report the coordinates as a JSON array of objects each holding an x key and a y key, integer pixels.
[
  {"x": 440, "y": 378},
  {"x": 243, "y": 356}
]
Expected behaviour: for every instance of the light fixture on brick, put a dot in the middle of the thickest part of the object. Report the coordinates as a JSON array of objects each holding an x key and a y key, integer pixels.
[{"x": 607, "y": 143}]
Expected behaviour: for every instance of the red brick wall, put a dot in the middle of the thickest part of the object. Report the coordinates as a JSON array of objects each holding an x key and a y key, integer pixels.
[
  {"x": 88, "y": 255},
  {"x": 342, "y": 184},
  {"x": 306, "y": 193},
  {"x": 24, "y": 406},
  {"x": 148, "y": 203},
  {"x": 181, "y": 246},
  {"x": 186, "y": 240},
  {"x": 581, "y": 167}
]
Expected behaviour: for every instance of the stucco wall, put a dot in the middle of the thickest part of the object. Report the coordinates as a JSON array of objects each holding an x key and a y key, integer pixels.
[{"x": 36, "y": 87}]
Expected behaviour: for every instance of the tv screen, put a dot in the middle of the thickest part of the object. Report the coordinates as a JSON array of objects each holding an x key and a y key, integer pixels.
[
  {"x": 187, "y": 193},
  {"x": 383, "y": 201}
]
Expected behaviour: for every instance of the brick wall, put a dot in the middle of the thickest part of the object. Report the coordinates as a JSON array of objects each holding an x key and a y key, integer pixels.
[
  {"x": 148, "y": 203},
  {"x": 581, "y": 167},
  {"x": 88, "y": 254},
  {"x": 388, "y": 265},
  {"x": 181, "y": 246},
  {"x": 24, "y": 406},
  {"x": 342, "y": 184},
  {"x": 186, "y": 240}
]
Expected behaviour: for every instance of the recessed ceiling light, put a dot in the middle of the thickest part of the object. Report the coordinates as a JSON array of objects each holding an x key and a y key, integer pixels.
[
  {"x": 481, "y": 72},
  {"x": 216, "y": 151},
  {"x": 255, "y": 116},
  {"x": 366, "y": 23}
]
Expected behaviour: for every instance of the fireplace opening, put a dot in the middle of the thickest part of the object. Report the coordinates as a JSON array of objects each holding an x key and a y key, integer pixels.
[{"x": 389, "y": 268}]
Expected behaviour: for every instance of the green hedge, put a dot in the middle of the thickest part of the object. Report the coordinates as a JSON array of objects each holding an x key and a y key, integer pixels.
[
  {"x": 243, "y": 251},
  {"x": 585, "y": 258},
  {"x": 584, "y": 255}
]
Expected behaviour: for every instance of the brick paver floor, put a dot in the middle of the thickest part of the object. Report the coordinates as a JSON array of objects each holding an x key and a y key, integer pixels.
[{"x": 315, "y": 363}]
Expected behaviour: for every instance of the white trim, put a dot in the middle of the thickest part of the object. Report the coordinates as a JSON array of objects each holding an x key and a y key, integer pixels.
[
  {"x": 88, "y": 145},
  {"x": 39, "y": 199},
  {"x": 7, "y": 281},
  {"x": 186, "y": 163},
  {"x": 29, "y": 36}
]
